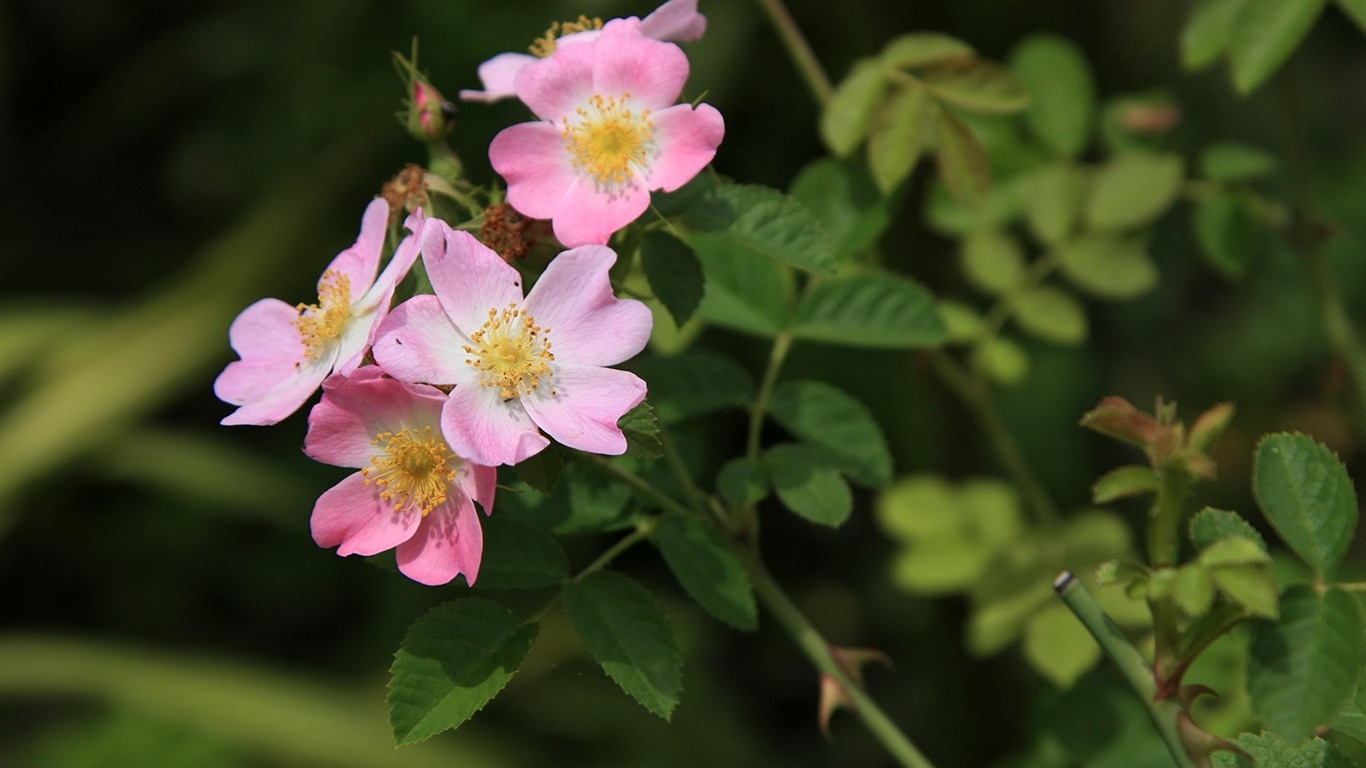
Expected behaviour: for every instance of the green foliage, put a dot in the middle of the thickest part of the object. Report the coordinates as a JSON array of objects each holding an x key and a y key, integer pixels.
[
  {"x": 1264, "y": 35},
  {"x": 1051, "y": 315},
  {"x": 518, "y": 555},
  {"x": 586, "y": 500},
  {"x": 963, "y": 163},
  {"x": 921, "y": 49},
  {"x": 847, "y": 201},
  {"x": 1210, "y": 524},
  {"x": 975, "y": 85},
  {"x": 641, "y": 429},
  {"x": 1228, "y": 233},
  {"x": 836, "y": 425},
  {"x": 454, "y": 659},
  {"x": 674, "y": 273},
  {"x": 762, "y": 220},
  {"x": 745, "y": 290},
  {"x": 1231, "y": 161},
  {"x": 1270, "y": 749},
  {"x": 1306, "y": 495},
  {"x": 1053, "y": 201},
  {"x": 845, "y": 120},
  {"x": 992, "y": 260},
  {"x": 692, "y": 384},
  {"x": 896, "y": 135},
  {"x": 1208, "y": 31},
  {"x": 807, "y": 484},
  {"x": 1108, "y": 267},
  {"x": 1057, "y": 645},
  {"x": 707, "y": 568},
  {"x": 628, "y": 633},
  {"x": 1062, "y": 92},
  {"x": 1124, "y": 482},
  {"x": 869, "y": 310},
  {"x": 1132, "y": 189},
  {"x": 542, "y": 471},
  {"x": 743, "y": 481}
]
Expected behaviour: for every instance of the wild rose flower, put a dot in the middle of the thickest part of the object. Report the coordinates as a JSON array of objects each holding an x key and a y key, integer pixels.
[
  {"x": 677, "y": 21},
  {"x": 609, "y": 133},
  {"x": 518, "y": 364},
  {"x": 286, "y": 351},
  {"x": 412, "y": 492}
]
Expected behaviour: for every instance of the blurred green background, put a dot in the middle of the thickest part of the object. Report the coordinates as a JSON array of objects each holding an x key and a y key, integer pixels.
[{"x": 167, "y": 163}]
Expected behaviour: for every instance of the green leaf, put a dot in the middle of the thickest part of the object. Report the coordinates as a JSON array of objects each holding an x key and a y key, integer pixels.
[
  {"x": 1303, "y": 669},
  {"x": 1107, "y": 267},
  {"x": 1269, "y": 750},
  {"x": 1058, "y": 646},
  {"x": 674, "y": 273},
  {"x": 807, "y": 485},
  {"x": 745, "y": 290},
  {"x": 1193, "y": 590},
  {"x": 1250, "y": 586},
  {"x": 992, "y": 261},
  {"x": 587, "y": 500},
  {"x": 963, "y": 164},
  {"x": 962, "y": 323},
  {"x": 1051, "y": 315},
  {"x": 1053, "y": 201},
  {"x": 453, "y": 660},
  {"x": 1132, "y": 189},
  {"x": 953, "y": 218},
  {"x": 691, "y": 384},
  {"x": 847, "y": 115},
  {"x": 921, "y": 48},
  {"x": 842, "y": 194},
  {"x": 975, "y": 85},
  {"x": 1208, "y": 31},
  {"x": 1233, "y": 550},
  {"x": 763, "y": 220},
  {"x": 743, "y": 481},
  {"x": 1265, "y": 33},
  {"x": 869, "y": 310},
  {"x": 951, "y": 534},
  {"x": 1305, "y": 493},
  {"x": 1227, "y": 232},
  {"x": 708, "y": 569},
  {"x": 838, "y": 426},
  {"x": 642, "y": 432},
  {"x": 1356, "y": 11},
  {"x": 898, "y": 131},
  {"x": 1210, "y": 524},
  {"x": 1230, "y": 161},
  {"x": 628, "y": 633},
  {"x": 1062, "y": 92},
  {"x": 542, "y": 471},
  {"x": 1124, "y": 482},
  {"x": 1003, "y": 360},
  {"x": 518, "y": 555}
]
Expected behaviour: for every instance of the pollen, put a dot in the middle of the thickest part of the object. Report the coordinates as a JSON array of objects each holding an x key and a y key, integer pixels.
[
  {"x": 414, "y": 470},
  {"x": 321, "y": 323},
  {"x": 544, "y": 45},
  {"x": 609, "y": 141},
  {"x": 511, "y": 352}
]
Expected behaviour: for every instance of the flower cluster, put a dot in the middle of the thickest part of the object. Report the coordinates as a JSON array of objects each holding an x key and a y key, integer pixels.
[{"x": 426, "y": 398}]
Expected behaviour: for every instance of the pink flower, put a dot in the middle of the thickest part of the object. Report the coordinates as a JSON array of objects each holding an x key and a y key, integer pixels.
[
  {"x": 286, "y": 351},
  {"x": 609, "y": 134},
  {"x": 676, "y": 20},
  {"x": 412, "y": 491},
  {"x": 518, "y": 364}
]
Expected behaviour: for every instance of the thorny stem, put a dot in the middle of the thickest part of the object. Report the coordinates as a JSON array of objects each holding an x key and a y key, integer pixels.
[{"x": 800, "y": 50}]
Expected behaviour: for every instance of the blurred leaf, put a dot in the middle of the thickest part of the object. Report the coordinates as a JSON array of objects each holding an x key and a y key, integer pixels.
[
  {"x": 838, "y": 426},
  {"x": 1356, "y": 11},
  {"x": 542, "y": 470},
  {"x": 674, "y": 273},
  {"x": 1052, "y": 315},
  {"x": 518, "y": 555},
  {"x": 1352, "y": 720},
  {"x": 453, "y": 660},
  {"x": 1210, "y": 524},
  {"x": 1193, "y": 590},
  {"x": 1269, "y": 749},
  {"x": 745, "y": 290},
  {"x": 962, "y": 323},
  {"x": 844, "y": 197},
  {"x": 1230, "y": 161},
  {"x": 1062, "y": 92},
  {"x": 1304, "y": 667},
  {"x": 1305, "y": 493},
  {"x": 692, "y": 384},
  {"x": 869, "y": 310},
  {"x": 951, "y": 534},
  {"x": 992, "y": 260},
  {"x": 808, "y": 485},
  {"x": 963, "y": 164},
  {"x": 997, "y": 621},
  {"x": 952, "y": 217},
  {"x": 1208, "y": 31},
  {"x": 629, "y": 635},
  {"x": 743, "y": 481},
  {"x": 1058, "y": 646},
  {"x": 1264, "y": 35},
  {"x": 586, "y": 500},
  {"x": 1250, "y": 586},
  {"x": 1003, "y": 360},
  {"x": 1233, "y": 550},
  {"x": 642, "y": 432},
  {"x": 707, "y": 568},
  {"x": 1108, "y": 267},
  {"x": 1053, "y": 200},
  {"x": 975, "y": 85},
  {"x": 28, "y": 331},
  {"x": 1124, "y": 482},
  {"x": 1133, "y": 188},
  {"x": 898, "y": 131},
  {"x": 1227, "y": 232},
  {"x": 921, "y": 48},
  {"x": 847, "y": 115},
  {"x": 763, "y": 220}
]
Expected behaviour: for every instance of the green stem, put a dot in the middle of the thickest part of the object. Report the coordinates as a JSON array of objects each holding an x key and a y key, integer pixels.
[
  {"x": 781, "y": 344},
  {"x": 680, "y": 472},
  {"x": 818, "y": 651},
  {"x": 645, "y": 528},
  {"x": 638, "y": 484},
  {"x": 799, "y": 50},
  {"x": 1164, "y": 550},
  {"x": 1130, "y": 662}
]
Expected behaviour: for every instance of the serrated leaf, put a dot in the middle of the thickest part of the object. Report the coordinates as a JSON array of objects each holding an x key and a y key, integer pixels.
[
  {"x": 808, "y": 485},
  {"x": 1058, "y": 646},
  {"x": 1062, "y": 91},
  {"x": 1231, "y": 161},
  {"x": 1124, "y": 482},
  {"x": 1233, "y": 550},
  {"x": 518, "y": 555},
  {"x": 674, "y": 273},
  {"x": 921, "y": 48},
  {"x": 641, "y": 429},
  {"x": 839, "y": 426},
  {"x": 1268, "y": 750},
  {"x": 691, "y": 384},
  {"x": 1193, "y": 590},
  {"x": 842, "y": 194},
  {"x": 453, "y": 660},
  {"x": 744, "y": 290},
  {"x": 976, "y": 85},
  {"x": 1303, "y": 668},
  {"x": 763, "y": 220},
  {"x": 992, "y": 261},
  {"x": 1208, "y": 31},
  {"x": 1107, "y": 267},
  {"x": 1133, "y": 188},
  {"x": 846, "y": 117},
  {"x": 869, "y": 310},
  {"x": 1305, "y": 493},
  {"x": 586, "y": 500},
  {"x": 1210, "y": 524},
  {"x": 628, "y": 633},
  {"x": 896, "y": 136},
  {"x": 743, "y": 481},
  {"x": 1250, "y": 586},
  {"x": 1051, "y": 314},
  {"x": 1227, "y": 233},
  {"x": 1265, "y": 33},
  {"x": 708, "y": 569},
  {"x": 542, "y": 470},
  {"x": 962, "y": 161},
  {"x": 1053, "y": 201}
]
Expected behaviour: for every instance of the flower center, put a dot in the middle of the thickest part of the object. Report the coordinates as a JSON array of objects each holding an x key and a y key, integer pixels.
[
  {"x": 608, "y": 141},
  {"x": 414, "y": 470},
  {"x": 322, "y": 322},
  {"x": 511, "y": 352},
  {"x": 545, "y": 44}
]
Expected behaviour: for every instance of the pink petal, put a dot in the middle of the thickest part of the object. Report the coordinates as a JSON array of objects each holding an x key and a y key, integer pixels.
[
  {"x": 360, "y": 262},
  {"x": 450, "y": 541},
  {"x": 484, "y": 429},
  {"x": 687, "y": 140},
  {"x": 498, "y": 75},
  {"x": 479, "y": 483},
  {"x": 587, "y": 324},
  {"x": 417, "y": 342},
  {"x": 588, "y": 216},
  {"x": 265, "y": 337},
  {"x": 356, "y": 408},
  {"x": 352, "y": 517},
  {"x": 532, "y": 158},
  {"x": 469, "y": 278},
  {"x": 555, "y": 86},
  {"x": 676, "y": 20},
  {"x": 627, "y": 62},
  {"x": 586, "y": 404}
]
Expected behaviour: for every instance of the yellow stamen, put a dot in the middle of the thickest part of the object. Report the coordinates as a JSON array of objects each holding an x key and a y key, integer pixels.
[
  {"x": 545, "y": 44},
  {"x": 511, "y": 352},
  {"x": 608, "y": 140},
  {"x": 322, "y": 322},
  {"x": 414, "y": 471}
]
